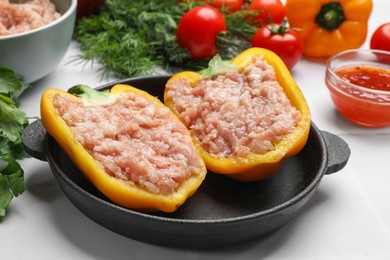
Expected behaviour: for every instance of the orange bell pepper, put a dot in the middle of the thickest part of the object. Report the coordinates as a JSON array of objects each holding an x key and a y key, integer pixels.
[
  {"x": 119, "y": 191},
  {"x": 255, "y": 166},
  {"x": 327, "y": 27}
]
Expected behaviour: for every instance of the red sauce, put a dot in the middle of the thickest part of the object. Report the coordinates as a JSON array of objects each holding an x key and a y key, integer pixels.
[
  {"x": 362, "y": 106},
  {"x": 368, "y": 77}
]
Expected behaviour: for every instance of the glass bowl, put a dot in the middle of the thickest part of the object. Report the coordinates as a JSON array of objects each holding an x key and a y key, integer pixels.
[{"x": 359, "y": 85}]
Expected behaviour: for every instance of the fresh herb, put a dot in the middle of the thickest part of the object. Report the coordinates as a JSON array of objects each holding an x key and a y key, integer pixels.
[
  {"x": 217, "y": 66},
  {"x": 130, "y": 38},
  {"x": 11, "y": 182},
  {"x": 12, "y": 123},
  {"x": 10, "y": 84},
  {"x": 92, "y": 97}
]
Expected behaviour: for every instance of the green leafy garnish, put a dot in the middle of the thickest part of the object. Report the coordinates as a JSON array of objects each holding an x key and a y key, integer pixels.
[
  {"x": 12, "y": 123},
  {"x": 11, "y": 182},
  {"x": 10, "y": 84},
  {"x": 132, "y": 38},
  {"x": 90, "y": 96},
  {"x": 217, "y": 66}
]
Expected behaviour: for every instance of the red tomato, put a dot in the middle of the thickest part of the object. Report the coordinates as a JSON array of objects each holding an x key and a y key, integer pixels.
[
  {"x": 88, "y": 7},
  {"x": 285, "y": 43},
  {"x": 198, "y": 29},
  {"x": 380, "y": 39},
  {"x": 274, "y": 8},
  {"x": 231, "y": 5}
]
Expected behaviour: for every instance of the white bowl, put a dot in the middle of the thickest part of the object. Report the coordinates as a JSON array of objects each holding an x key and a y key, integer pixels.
[{"x": 35, "y": 53}]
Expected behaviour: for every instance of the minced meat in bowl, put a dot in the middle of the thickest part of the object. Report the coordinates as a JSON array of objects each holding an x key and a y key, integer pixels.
[{"x": 25, "y": 15}]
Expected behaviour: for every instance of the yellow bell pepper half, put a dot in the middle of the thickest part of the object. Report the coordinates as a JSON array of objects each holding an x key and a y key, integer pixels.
[
  {"x": 257, "y": 166},
  {"x": 120, "y": 192},
  {"x": 327, "y": 27}
]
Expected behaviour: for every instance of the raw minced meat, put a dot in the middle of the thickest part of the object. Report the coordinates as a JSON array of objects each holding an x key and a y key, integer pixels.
[
  {"x": 133, "y": 140},
  {"x": 237, "y": 113},
  {"x": 25, "y": 15}
]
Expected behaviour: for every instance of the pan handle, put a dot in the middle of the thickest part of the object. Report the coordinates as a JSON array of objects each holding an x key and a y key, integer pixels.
[
  {"x": 338, "y": 152},
  {"x": 33, "y": 137}
]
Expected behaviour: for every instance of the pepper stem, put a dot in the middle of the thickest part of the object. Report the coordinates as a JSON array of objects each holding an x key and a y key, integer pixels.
[
  {"x": 331, "y": 16},
  {"x": 217, "y": 66},
  {"x": 90, "y": 96}
]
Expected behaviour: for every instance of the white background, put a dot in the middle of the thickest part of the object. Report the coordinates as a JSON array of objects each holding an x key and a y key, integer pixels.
[{"x": 348, "y": 217}]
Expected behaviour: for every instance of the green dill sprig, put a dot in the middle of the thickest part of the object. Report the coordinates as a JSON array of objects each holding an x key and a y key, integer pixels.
[{"x": 132, "y": 38}]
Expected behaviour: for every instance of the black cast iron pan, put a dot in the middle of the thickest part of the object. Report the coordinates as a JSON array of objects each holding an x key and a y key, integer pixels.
[{"x": 222, "y": 212}]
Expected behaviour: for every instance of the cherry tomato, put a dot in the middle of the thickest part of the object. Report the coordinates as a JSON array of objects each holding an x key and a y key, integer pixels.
[
  {"x": 231, "y": 5},
  {"x": 270, "y": 9},
  {"x": 198, "y": 29},
  {"x": 380, "y": 39},
  {"x": 281, "y": 40}
]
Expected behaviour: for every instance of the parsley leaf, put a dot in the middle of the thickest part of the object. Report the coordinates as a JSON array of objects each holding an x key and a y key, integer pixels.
[
  {"x": 10, "y": 84},
  {"x": 12, "y": 120},
  {"x": 12, "y": 123},
  {"x": 11, "y": 182}
]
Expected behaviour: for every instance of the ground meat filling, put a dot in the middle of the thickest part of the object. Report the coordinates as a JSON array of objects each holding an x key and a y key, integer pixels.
[
  {"x": 237, "y": 113},
  {"x": 134, "y": 141},
  {"x": 25, "y": 15}
]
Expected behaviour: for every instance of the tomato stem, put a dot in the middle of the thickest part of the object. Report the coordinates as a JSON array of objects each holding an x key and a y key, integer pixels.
[
  {"x": 331, "y": 16},
  {"x": 279, "y": 29}
]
